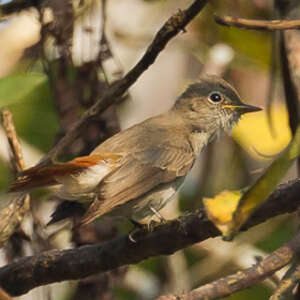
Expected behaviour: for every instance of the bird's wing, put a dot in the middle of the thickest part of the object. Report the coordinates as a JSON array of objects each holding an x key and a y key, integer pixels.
[{"x": 140, "y": 172}]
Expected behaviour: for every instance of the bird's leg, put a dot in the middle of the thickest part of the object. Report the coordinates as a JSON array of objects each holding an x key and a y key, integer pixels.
[
  {"x": 158, "y": 215},
  {"x": 152, "y": 224}
]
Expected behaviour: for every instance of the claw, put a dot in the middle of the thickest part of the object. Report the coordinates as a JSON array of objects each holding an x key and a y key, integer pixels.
[{"x": 131, "y": 238}]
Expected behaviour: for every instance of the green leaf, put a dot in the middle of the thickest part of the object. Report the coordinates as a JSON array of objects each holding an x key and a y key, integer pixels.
[
  {"x": 17, "y": 87},
  {"x": 265, "y": 185},
  {"x": 35, "y": 117}
]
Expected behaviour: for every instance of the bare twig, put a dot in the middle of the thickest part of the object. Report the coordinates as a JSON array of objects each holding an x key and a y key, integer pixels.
[
  {"x": 243, "y": 279},
  {"x": 58, "y": 265},
  {"x": 287, "y": 284},
  {"x": 15, "y": 147},
  {"x": 171, "y": 28},
  {"x": 258, "y": 24},
  {"x": 12, "y": 215}
]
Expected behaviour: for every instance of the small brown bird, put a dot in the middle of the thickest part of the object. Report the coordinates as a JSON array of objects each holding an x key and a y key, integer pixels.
[{"x": 137, "y": 171}]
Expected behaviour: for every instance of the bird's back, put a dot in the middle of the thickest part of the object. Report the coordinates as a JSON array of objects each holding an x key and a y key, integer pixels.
[
  {"x": 163, "y": 130},
  {"x": 155, "y": 152}
]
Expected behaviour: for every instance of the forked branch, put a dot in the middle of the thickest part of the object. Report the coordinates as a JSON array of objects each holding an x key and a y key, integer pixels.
[{"x": 58, "y": 265}]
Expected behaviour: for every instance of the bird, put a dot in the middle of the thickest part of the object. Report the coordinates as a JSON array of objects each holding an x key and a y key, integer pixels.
[{"x": 136, "y": 172}]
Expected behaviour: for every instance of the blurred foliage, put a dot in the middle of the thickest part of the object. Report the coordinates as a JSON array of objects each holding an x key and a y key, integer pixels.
[
  {"x": 257, "y": 292},
  {"x": 153, "y": 264},
  {"x": 251, "y": 46},
  {"x": 5, "y": 177},
  {"x": 33, "y": 109},
  {"x": 18, "y": 87},
  {"x": 283, "y": 232},
  {"x": 125, "y": 294},
  {"x": 263, "y": 187}
]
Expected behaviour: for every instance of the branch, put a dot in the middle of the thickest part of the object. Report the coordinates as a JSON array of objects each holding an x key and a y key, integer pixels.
[
  {"x": 285, "y": 288},
  {"x": 243, "y": 279},
  {"x": 17, "y": 160},
  {"x": 258, "y": 24},
  {"x": 58, "y": 265},
  {"x": 12, "y": 215},
  {"x": 171, "y": 28}
]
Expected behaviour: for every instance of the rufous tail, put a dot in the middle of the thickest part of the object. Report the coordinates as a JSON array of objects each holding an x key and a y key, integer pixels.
[
  {"x": 44, "y": 176},
  {"x": 41, "y": 176}
]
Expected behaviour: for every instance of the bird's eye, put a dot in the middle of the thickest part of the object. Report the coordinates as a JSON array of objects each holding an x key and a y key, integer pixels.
[{"x": 215, "y": 97}]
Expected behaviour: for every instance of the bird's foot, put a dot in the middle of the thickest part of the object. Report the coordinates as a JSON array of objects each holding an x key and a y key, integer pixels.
[
  {"x": 131, "y": 238},
  {"x": 138, "y": 227},
  {"x": 148, "y": 227},
  {"x": 152, "y": 225}
]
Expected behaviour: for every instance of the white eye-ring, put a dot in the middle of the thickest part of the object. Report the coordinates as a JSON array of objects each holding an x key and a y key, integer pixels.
[{"x": 215, "y": 97}]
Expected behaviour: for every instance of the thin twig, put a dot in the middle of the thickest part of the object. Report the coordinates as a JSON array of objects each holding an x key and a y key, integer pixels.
[
  {"x": 12, "y": 215},
  {"x": 171, "y": 28},
  {"x": 58, "y": 265},
  {"x": 287, "y": 284},
  {"x": 15, "y": 147},
  {"x": 243, "y": 279},
  {"x": 258, "y": 24}
]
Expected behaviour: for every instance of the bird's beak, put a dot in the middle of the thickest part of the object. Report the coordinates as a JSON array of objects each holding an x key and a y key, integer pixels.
[{"x": 242, "y": 108}]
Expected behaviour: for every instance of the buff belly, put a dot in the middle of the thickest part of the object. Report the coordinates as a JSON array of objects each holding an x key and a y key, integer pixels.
[{"x": 140, "y": 208}]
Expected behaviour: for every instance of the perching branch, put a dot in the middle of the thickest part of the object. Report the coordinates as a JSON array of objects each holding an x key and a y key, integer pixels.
[
  {"x": 258, "y": 24},
  {"x": 244, "y": 279},
  {"x": 171, "y": 28},
  {"x": 58, "y": 265}
]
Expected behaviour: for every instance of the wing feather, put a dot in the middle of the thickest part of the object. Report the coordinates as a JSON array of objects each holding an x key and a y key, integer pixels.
[{"x": 140, "y": 172}]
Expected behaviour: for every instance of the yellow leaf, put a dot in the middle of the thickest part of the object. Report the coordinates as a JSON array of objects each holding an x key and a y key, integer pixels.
[
  {"x": 265, "y": 185},
  {"x": 229, "y": 210},
  {"x": 253, "y": 132},
  {"x": 221, "y": 208}
]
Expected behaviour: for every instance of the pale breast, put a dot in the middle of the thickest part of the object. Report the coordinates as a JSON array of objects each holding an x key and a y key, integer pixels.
[{"x": 199, "y": 140}]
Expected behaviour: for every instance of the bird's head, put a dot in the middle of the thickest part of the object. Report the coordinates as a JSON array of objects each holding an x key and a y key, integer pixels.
[{"x": 212, "y": 103}]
